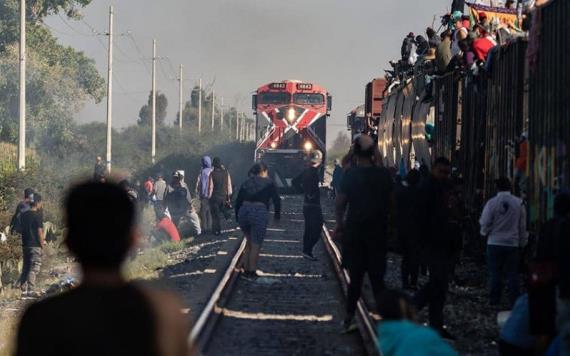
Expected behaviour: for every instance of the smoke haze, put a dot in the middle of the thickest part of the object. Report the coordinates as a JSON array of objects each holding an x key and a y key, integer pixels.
[{"x": 242, "y": 44}]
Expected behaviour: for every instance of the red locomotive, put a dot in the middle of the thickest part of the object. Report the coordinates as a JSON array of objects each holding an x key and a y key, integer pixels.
[{"x": 290, "y": 123}]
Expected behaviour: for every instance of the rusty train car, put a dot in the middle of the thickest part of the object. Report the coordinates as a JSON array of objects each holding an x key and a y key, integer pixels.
[{"x": 480, "y": 122}]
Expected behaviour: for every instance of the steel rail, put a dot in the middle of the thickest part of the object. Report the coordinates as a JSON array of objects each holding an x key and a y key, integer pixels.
[
  {"x": 202, "y": 329},
  {"x": 365, "y": 324}
]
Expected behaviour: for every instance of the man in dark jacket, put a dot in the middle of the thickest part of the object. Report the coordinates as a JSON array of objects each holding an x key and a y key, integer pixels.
[
  {"x": 432, "y": 216},
  {"x": 308, "y": 183},
  {"x": 99, "y": 170},
  {"x": 406, "y": 195},
  {"x": 366, "y": 190},
  {"x": 176, "y": 200},
  {"x": 220, "y": 191},
  {"x": 23, "y": 206}
]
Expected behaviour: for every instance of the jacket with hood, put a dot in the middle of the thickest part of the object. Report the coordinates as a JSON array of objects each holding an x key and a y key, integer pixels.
[
  {"x": 203, "y": 177},
  {"x": 258, "y": 190}
]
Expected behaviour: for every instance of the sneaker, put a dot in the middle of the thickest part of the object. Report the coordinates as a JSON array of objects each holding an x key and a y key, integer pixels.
[
  {"x": 309, "y": 256},
  {"x": 446, "y": 334},
  {"x": 349, "y": 326}
]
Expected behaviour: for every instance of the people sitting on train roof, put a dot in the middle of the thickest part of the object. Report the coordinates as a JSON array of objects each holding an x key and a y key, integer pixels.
[
  {"x": 398, "y": 332},
  {"x": 433, "y": 38}
]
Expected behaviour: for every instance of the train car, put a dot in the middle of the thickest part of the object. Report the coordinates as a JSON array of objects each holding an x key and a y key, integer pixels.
[
  {"x": 291, "y": 122},
  {"x": 356, "y": 121}
]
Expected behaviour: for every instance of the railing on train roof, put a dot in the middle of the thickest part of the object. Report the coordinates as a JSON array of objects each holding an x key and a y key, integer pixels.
[{"x": 549, "y": 108}]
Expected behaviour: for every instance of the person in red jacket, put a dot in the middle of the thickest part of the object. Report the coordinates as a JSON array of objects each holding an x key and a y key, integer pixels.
[{"x": 483, "y": 44}]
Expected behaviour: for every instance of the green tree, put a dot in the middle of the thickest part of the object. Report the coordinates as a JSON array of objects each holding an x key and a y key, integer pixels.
[{"x": 145, "y": 113}]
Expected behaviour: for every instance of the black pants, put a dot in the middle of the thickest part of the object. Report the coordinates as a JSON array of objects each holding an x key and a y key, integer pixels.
[
  {"x": 410, "y": 266},
  {"x": 434, "y": 292},
  {"x": 313, "y": 223},
  {"x": 363, "y": 252},
  {"x": 217, "y": 210}
]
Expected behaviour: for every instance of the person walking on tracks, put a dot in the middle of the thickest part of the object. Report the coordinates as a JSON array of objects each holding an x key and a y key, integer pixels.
[
  {"x": 433, "y": 215},
  {"x": 202, "y": 191},
  {"x": 503, "y": 221},
  {"x": 105, "y": 314},
  {"x": 252, "y": 207},
  {"x": 33, "y": 241},
  {"x": 308, "y": 183},
  {"x": 366, "y": 190},
  {"x": 219, "y": 193}
]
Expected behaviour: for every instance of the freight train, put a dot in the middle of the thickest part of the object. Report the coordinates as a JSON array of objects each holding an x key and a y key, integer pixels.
[
  {"x": 510, "y": 120},
  {"x": 291, "y": 118}
]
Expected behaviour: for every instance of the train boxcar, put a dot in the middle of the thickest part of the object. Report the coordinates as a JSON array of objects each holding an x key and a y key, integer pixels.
[{"x": 291, "y": 118}]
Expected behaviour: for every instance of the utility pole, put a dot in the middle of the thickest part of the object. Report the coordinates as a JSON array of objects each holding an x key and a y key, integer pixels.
[
  {"x": 200, "y": 106},
  {"x": 237, "y": 125},
  {"x": 222, "y": 116},
  {"x": 153, "y": 144},
  {"x": 110, "y": 91},
  {"x": 213, "y": 108},
  {"x": 180, "y": 98},
  {"x": 22, "y": 129}
]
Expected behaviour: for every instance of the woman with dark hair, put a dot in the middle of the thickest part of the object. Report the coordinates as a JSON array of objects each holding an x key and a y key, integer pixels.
[{"x": 252, "y": 213}]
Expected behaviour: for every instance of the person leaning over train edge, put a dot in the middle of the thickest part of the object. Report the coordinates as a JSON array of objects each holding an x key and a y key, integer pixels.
[
  {"x": 308, "y": 183},
  {"x": 252, "y": 213},
  {"x": 431, "y": 213},
  {"x": 105, "y": 314},
  {"x": 367, "y": 193}
]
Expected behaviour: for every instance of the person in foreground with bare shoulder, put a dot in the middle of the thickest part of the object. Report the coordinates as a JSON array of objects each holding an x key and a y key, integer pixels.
[{"x": 105, "y": 314}]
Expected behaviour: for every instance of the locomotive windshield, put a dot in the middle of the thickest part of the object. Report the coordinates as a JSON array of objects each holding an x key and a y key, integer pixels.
[
  {"x": 274, "y": 98},
  {"x": 309, "y": 99}
]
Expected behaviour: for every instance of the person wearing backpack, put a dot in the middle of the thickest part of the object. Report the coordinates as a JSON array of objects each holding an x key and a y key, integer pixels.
[
  {"x": 23, "y": 206},
  {"x": 219, "y": 193}
]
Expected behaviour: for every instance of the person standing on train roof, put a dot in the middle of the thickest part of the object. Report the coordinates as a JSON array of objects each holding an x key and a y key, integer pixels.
[
  {"x": 252, "y": 214},
  {"x": 366, "y": 192},
  {"x": 436, "y": 239},
  {"x": 308, "y": 183}
]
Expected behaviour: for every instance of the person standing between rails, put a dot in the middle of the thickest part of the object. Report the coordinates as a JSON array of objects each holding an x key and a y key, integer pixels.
[
  {"x": 252, "y": 213},
  {"x": 503, "y": 222},
  {"x": 99, "y": 170},
  {"x": 366, "y": 190},
  {"x": 308, "y": 183},
  {"x": 405, "y": 199},
  {"x": 160, "y": 189},
  {"x": 105, "y": 314},
  {"x": 33, "y": 241},
  {"x": 432, "y": 215},
  {"x": 219, "y": 193},
  {"x": 202, "y": 191},
  {"x": 336, "y": 177}
]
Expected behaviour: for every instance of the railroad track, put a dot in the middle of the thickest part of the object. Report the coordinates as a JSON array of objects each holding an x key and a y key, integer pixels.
[{"x": 294, "y": 308}]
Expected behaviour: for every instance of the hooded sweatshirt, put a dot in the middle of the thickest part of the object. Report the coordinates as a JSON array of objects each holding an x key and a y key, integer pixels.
[
  {"x": 204, "y": 176},
  {"x": 258, "y": 190},
  {"x": 404, "y": 338}
]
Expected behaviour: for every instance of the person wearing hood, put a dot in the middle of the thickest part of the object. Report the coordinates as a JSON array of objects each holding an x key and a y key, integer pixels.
[
  {"x": 422, "y": 45},
  {"x": 202, "y": 192},
  {"x": 252, "y": 213}
]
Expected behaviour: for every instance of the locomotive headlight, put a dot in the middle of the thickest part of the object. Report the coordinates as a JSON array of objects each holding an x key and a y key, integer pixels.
[
  {"x": 308, "y": 146},
  {"x": 274, "y": 145},
  {"x": 291, "y": 115}
]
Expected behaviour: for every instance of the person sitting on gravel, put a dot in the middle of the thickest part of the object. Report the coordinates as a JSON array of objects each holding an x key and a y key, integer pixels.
[
  {"x": 252, "y": 207},
  {"x": 400, "y": 334},
  {"x": 105, "y": 314}
]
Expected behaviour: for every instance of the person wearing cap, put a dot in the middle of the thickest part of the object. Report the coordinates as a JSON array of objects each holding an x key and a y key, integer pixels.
[
  {"x": 176, "y": 199},
  {"x": 483, "y": 44},
  {"x": 33, "y": 241},
  {"x": 366, "y": 196},
  {"x": 503, "y": 222},
  {"x": 99, "y": 170},
  {"x": 308, "y": 183}
]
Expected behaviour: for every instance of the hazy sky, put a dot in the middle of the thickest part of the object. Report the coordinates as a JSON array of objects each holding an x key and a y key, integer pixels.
[{"x": 339, "y": 44}]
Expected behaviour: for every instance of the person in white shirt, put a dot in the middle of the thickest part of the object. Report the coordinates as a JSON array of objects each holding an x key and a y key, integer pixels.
[{"x": 503, "y": 222}]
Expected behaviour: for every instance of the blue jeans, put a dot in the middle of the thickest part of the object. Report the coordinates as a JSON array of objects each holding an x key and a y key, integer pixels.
[{"x": 503, "y": 261}]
